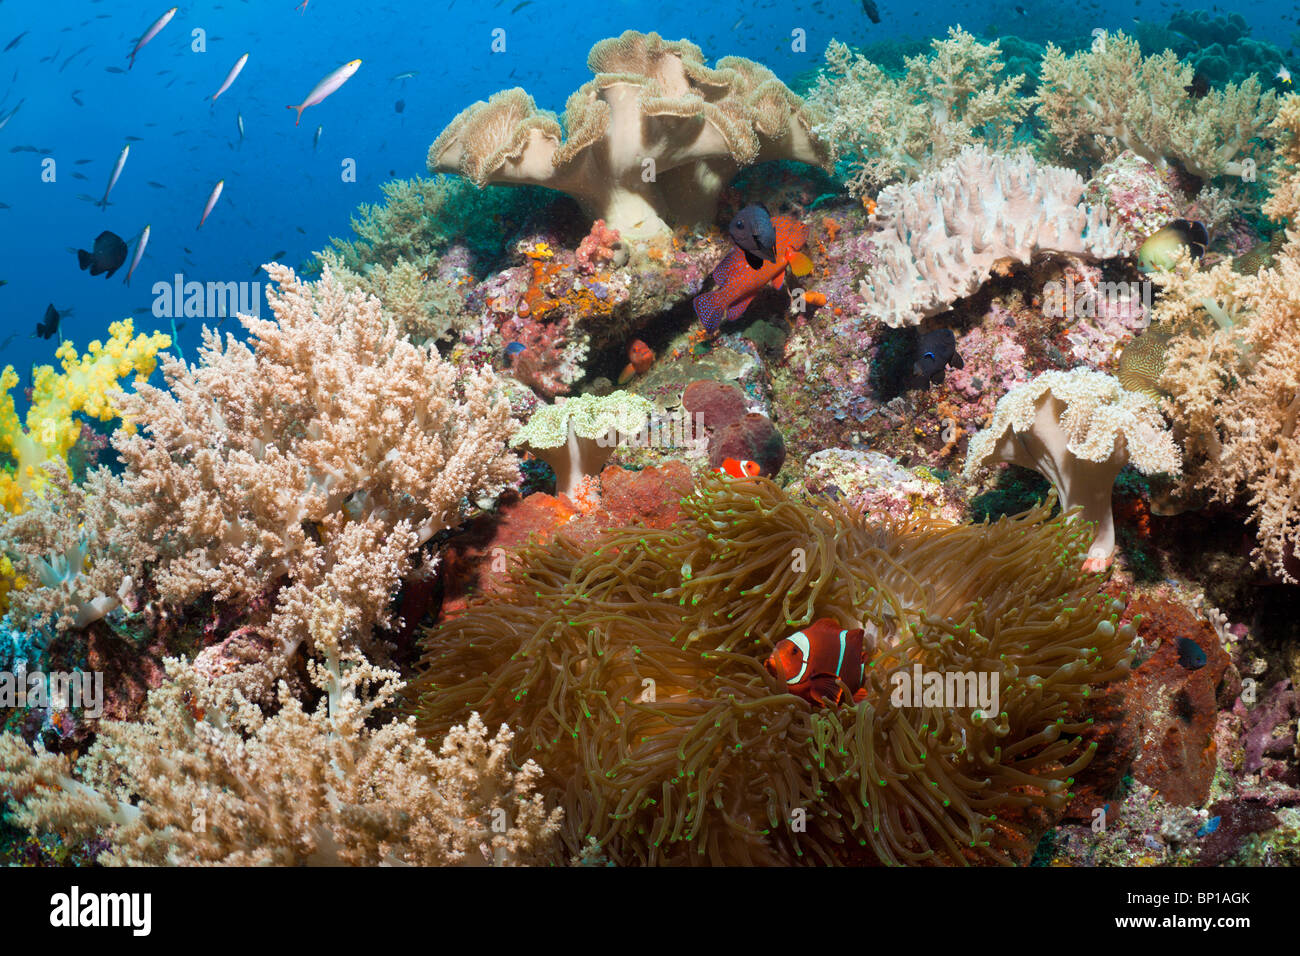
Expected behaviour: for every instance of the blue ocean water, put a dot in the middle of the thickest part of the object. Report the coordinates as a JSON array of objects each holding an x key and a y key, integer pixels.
[{"x": 66, "y": 65}]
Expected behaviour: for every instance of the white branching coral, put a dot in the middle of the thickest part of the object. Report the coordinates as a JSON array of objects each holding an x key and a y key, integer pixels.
[
  {"x": 943, "y": 233},
  {"x": 206, "y": 778},
  {"x": 1101, "y": 101},
  {"x": 71, "y": 549},
  {"x": 1078, "y": 429},
  {"x": 324, "y": 452},
  {"x": 888, "y": 128}
]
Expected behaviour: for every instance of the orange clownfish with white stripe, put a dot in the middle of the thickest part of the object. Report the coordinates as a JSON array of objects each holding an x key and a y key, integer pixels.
[
  {"x": 824, "y": 663},
  {"x": 739, "y": 468}
]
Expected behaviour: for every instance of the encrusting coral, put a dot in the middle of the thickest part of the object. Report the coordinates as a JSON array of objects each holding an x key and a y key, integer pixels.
[
  {"x": 576, "y": 436},
  {"x": 889, "y": 128},
  {"x": 632, "y": 670},
  {"x": 943, "y": 233},
  {"x": 647, "y": 144},
  {"x": 207, "y": 778},
  {"x": 1078, "y": 429},
  {"x": 1098, "y": 102}
]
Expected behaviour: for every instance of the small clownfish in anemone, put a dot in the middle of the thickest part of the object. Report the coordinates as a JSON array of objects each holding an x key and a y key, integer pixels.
[
  {"x": 824, "y": 663},
  {"x": 737, "y": 468},
  {"x": 738, "y": 281},
  {"x": 639, "y": 359}
]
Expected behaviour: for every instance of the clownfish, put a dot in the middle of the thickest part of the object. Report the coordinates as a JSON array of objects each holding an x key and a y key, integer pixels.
[
  {"x": 737, "y": 468},
  {"x": 822, "y": 663}
]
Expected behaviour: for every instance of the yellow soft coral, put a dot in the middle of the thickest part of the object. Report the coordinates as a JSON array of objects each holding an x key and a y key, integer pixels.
[{"x": 85, "y": 385}]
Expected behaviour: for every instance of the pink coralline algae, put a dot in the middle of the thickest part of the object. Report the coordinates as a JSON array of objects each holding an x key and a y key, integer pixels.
[
  {"x": 1137, "y": 199},
  {"x": 601, "y": 245},
  {"x": 879, "y": 486},
  {"x": 994, "y": 362}
]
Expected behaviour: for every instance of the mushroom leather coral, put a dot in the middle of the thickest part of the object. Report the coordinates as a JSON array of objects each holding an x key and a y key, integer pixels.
[
  {"x": 645, "y": 145},
  {"x": 1078, "y": 429}
]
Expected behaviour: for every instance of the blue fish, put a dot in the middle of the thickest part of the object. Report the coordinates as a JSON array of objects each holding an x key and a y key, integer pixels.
[
  {"x": 1209, "y": 826},
  {"x": 1190, "y": 654},
  {"x": 514, "y": 348},
  {"x": 752, "y": 231}
]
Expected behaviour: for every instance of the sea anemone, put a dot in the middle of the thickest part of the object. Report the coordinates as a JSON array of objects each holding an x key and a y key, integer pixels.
[{"x": 632, "y": 670}]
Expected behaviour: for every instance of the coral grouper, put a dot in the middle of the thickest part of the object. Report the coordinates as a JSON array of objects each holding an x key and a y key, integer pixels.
[{"x": 738, "y": 282}]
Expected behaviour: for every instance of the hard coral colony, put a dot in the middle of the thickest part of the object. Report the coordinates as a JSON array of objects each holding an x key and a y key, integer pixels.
[{"x": 658, "y": 507}]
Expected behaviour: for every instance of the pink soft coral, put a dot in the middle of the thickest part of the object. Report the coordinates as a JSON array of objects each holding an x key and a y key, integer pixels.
[{"x": 596, "y": 247}]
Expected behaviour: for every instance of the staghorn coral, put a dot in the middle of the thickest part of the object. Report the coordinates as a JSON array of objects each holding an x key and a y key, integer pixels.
[
  {"x": 1098, "y": 102},
  {"x": 887, "y": 128},
  {"x": 576, "y": 436},
  {"x": 1077, "y": 429},
  {"x": 631, "y": 668},
  {"x": 321, "y": 454},
  {"x": 943, "y": 233},
  {"x": 207, "y": 778},
  {"x": 645, "y": 145}
]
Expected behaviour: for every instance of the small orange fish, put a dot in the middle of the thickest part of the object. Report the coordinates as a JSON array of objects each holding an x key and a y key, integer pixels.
[
  {"x": 737, "y": 468},
  {"x": 824, "y": 663},
  {"x": 738, "y": 282},
  {"x": 640, "y": 357}
]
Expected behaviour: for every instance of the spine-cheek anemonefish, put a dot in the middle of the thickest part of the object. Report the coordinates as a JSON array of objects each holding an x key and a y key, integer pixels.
[
  {"x": 739, "y": 468},
  {"x": 822, "y": 662}
]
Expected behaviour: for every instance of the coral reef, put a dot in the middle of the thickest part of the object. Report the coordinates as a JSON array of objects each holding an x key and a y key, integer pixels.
[
  {"x": 86, "y": 385},
  {"x": 319, "y": 456},
  {"x": 1098, "y": 102},
  {"x": 207, "y": 778},
  {"x": 632, "y": 667},
  {"x": 885, "y": 128},
  {"x": 645, "y": 145}
]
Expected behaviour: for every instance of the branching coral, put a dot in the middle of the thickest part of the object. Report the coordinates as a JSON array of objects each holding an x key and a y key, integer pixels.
[
  {"x": 86, "y": 385},
  {"x": 425, "y": 307},
  {"x": 206, "y": 778},
  {"x": 889, "y": 128},
  {"x": 1230, "y": 370},
  {"x": 1078, "y": 429},
  {"x": 1098, "y": 102},
  {"x": 324, "y": 452},
  {"x": 577, "y": 436},
  {"x": 71, "y": 550},
  {"x": 943, "y": 233},
  {"x": 648, "y": 143},
  {"x": 631, "y": 669}
]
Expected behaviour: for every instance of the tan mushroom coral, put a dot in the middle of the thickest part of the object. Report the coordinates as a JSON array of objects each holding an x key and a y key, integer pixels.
[
  {"x": 577, "y": 436},
  {"x": 645, "y": 145},
  {"x": 1078, "y": 429}
]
